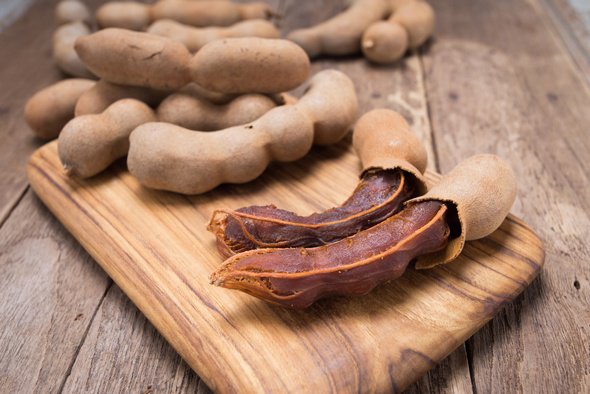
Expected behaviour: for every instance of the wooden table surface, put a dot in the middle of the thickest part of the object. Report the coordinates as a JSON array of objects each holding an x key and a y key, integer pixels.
[{"x": 505, "y": 76}]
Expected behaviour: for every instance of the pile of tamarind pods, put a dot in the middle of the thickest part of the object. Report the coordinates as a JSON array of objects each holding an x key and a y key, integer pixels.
[{"x": 194, "y": 94}]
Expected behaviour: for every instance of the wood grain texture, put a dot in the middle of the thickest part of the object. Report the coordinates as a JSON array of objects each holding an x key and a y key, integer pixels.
[
  {"x": 27, "y": 66},
  {"x": 50, "y": 289},
  {"x": 155, "y": 246},
  {"x": 498, "y": 81},
  {"x": 123, "y": 353},
  {"x": 572, "y": 21}
]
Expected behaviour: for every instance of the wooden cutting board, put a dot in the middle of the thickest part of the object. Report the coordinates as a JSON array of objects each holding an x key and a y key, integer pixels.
[{"x": 156, "y": 248}]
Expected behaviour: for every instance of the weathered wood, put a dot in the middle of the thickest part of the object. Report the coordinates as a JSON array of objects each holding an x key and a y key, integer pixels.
[
  {"x": 27, "y": 66},
  {"x": 498, "y": 81},
  {"x": 50, "y": 289},
  {"x": 123, "y": 353},
  {"x": 156, "y": 248},
  {"x": 572, "y": 21}
]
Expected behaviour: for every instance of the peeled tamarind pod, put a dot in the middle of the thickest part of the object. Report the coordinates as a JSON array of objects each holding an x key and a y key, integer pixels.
[
  {"x": 132, "y": 58},
  {"x": 88, "y": 144},
  {"x": 96, "y": 99},
  {"x": 383, "y": 140},
  {"x": 194, "y": 38},
  {"x": 341, "y": 35},
  {"x": 48, "y": 111},
  {"x": 64, "y": 54},
  {"x": 68, "y": 11},
  {"x": 297, "y": 277},
  {"x": 481, "y": 191},
  {"x": 378, "y": 195},
  {"x": 169, "y": 157},
  {"x": 124, "y": 14},
  {"x": 418, "y": 19},
  {"x": 385, "y": 42},
  {"x": 209, "y": 13},
  {"x": 332, "y": 103},
  {"x": 250, "y": 65},
  {"x": 469, "y": 203},
  {"x": 393, "y": 161},
  {"x": 195, "y": 113}
]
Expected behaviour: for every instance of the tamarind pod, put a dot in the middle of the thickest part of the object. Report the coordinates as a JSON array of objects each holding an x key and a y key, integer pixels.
[
  {"x": 340, "y": 35},
  {"x": 250, "y": 65},
  {"x": 385, "y": 42},
  {"x": 382, "y": 139},
  {"x": 129, "y": 15},
  {"x": 96, "y": 99},
  {"x": 194, "y": 38},
  {"x": 417, "y": 17},
  {"x": 209, "y": 13},
  {"x": 68, "y": 11},
  {"x": 196, "y": 113},
  {"x": 332, "y": 103},
  {"x": 480, "y": 192},
  {"x": 297, "y": 277},
  {"x": 378, "y": 195},
  {"x": 133, "y": 58},
  {"x": 64, "y": 54},
  {"x": 395, "y": 5},
  {"x": 169, "y": 157},
  {"x": 88, "y": 144},
  {"x": 48, "y": 111}
]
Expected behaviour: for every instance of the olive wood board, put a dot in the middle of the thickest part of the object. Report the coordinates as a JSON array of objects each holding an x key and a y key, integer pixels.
[{"x": 156, "y": 247}]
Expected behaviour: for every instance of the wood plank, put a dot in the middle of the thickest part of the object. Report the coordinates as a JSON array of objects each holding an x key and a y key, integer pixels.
[
  {"x": 156, "y": 248},
  {"x": 25, "y": 47},
  {"x": 498, "y": 81},
  {"x": 572, "y": 21},
  {"x": 124, "y": 353},
  {"x": 50, "y": 290}
]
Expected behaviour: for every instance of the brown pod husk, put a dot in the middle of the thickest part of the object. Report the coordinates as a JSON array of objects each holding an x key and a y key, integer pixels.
[
  {"x": 482, "y": 190},
  {"x": 250, "y": 65},
  {"x": 48, "y": 111},
  {"x": 132, "y": 58},
  {"x": 382, "y": 139},
  {"x": 104, "y": 93},
  {"x": 418, "y": 18},
  {"x": 332, "y": 103}
]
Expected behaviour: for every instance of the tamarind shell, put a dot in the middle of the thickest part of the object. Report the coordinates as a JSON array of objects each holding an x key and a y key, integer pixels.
[{"x": 482, "y": 190}]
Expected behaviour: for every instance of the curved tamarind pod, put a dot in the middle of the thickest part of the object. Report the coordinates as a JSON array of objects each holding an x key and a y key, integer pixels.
[
  {"x": 297, "y": 277},
  {"x": 378, "y": 195},
  {"x": 48, "y": 111},
  {"x": 340, "y": 35},
  {"x": 332, "y": 103},
  {"x": 96, "y": 99},
  {"x": 209, "y": 13},
  {"x": 68, "y": 11},
  {"x": 88, "y": 144},
  {"x": 383, "y": 140},
  {"x": 481, "y": 190},
  {"x": 168, "y": 157},
  {"x": 250, "y": 65},
  {"x": 418, "y": 19},
  {"x": 195, "y": 113},
  {"x": 132, "y": 58},
  {"x": 124, "y": 14},
  {"x": 385, "y": 42},
  {"x": 194, "y": 38},
  {"x": 64, "y": 54}
]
